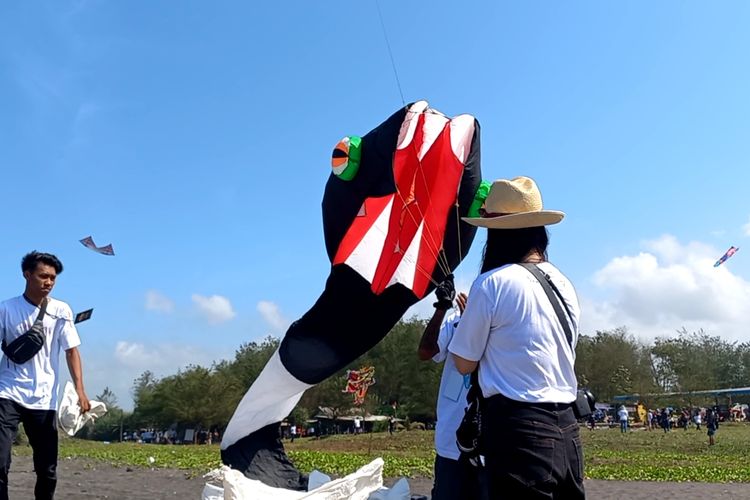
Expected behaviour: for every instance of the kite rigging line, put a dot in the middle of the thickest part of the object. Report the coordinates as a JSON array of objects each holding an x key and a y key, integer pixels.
[{"x": 390, "y": 53}]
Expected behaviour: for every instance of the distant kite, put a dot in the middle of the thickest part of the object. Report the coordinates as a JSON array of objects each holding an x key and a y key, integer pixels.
[
  {"x": 88, "y": 242},
  {"x": 732, "y": 250},
  {"x": 358, "y": 381},
  {"x": 83, "y": 316}
]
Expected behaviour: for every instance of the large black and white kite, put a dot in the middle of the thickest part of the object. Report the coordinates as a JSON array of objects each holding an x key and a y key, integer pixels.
[{"x": 392, "y": 213}]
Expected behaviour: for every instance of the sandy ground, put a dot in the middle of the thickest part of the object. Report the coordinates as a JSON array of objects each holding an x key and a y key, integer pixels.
[{"x": 85, "y": 479}]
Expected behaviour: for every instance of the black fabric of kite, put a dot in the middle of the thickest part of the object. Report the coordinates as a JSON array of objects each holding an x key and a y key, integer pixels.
[
  {"x": 261, "y": 456},
  {"x": 26, "y": 346}
]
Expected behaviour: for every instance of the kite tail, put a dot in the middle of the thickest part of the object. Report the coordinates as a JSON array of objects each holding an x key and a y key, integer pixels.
[
  {"x": 252, "y": 442},
  {"x": 261, "y": 456},
  {"x": 332, "y": 334}
]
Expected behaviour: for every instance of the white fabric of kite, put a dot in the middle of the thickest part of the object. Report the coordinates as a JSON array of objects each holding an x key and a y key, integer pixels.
[
  {"x": 69, "y": 416},
  {"x": 364, "y": 484}
]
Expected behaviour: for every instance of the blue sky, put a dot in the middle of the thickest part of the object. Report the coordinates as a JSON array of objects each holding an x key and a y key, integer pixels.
[{"x": 196, "y": 138}]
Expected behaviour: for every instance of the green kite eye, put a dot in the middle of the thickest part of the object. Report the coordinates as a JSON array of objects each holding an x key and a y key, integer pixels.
[
  {"x": 475, "y": 210},
  {"x": 346, "y": 156}
]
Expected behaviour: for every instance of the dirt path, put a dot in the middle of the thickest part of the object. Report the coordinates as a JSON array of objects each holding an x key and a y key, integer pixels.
[{"x": 86, "y": 479}]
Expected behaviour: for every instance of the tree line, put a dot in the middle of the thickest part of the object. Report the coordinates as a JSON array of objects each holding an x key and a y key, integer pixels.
[{"x": 609, "y": 362}]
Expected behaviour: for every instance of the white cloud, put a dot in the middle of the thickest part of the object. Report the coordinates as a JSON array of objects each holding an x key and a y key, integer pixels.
[
  {"x": 155, "y": 301},
  {"x": 272, "y": 315},
  {"x": 130, "y": 360},
  {"x": 216, "y": 309},
  {"x": 746, "y": 228},
  {"x": 666, "y": 287},
  {"x": 135, "y": 355}
]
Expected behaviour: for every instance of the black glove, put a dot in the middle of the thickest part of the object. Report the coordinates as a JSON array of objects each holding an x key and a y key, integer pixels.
[{"x": 445, "y": 293}]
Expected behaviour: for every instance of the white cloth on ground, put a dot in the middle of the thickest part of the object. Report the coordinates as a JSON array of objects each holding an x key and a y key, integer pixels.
[{"x": 364, "y": 484}]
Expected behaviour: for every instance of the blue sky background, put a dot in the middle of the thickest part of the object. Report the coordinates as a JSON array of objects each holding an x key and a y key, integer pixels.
[{"x": 196, "y": 137}]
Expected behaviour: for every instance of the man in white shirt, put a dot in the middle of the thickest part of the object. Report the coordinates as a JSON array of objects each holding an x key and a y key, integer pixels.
[
  {"x": 454, "y": 478},
  {"x": 28, "y": 390}
]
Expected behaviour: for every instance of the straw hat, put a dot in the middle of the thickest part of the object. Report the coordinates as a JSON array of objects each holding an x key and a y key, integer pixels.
[{"x": 514, "y": 204}]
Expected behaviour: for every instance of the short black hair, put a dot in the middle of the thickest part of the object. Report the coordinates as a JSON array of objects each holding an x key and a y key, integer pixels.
[
  {"x": 31, "y": 259},
  {"x": 510, "y": 246}
]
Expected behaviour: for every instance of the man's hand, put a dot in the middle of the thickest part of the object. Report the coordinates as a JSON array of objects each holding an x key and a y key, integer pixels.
[
  {"x": 445, "y": 293},
  {"x": 461, "y": 299},
  {"x": 83, "y": 401}
]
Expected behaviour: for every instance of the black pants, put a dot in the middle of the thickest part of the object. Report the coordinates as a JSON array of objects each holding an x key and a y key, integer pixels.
[
  {"x": 532, "y": 451},
  {"x": 41, "y": 429},
  {"x": 458, "y": 479}
]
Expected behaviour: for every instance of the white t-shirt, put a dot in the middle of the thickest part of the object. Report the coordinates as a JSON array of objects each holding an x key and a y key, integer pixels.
[
  {"x": 34, "y": 384},
  {"x": 511, "y": 328},
  {"x": 451, "y": 403},
  {"x": 623, "y": 414}
]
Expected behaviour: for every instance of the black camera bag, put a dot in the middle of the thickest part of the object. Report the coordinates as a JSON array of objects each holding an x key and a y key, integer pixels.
[
  {"x": 469, "y": 432},
  {"x": 26, "y": 346}
]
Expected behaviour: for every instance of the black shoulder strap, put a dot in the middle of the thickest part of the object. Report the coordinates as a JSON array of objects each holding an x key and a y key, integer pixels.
[
  {"x": 42, "y": 309},
  {"x": 548, "y": 287}
]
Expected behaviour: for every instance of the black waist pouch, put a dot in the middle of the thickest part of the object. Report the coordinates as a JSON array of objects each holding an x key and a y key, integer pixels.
[
  {"x": 26, "y": 346},
  {"x": 469, "y": 432}
]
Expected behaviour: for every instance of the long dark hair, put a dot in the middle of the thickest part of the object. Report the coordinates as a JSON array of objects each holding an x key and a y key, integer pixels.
[{"x": 510, "y": 246}]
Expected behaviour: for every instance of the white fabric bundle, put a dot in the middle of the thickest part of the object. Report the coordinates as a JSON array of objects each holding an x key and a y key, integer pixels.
[
  {"x": 69, "y": 416},
  {"x": 364, "y": 484}
]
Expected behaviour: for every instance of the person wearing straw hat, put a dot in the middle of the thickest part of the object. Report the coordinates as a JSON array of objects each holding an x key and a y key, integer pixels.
[{"x": 511, "y": 333}]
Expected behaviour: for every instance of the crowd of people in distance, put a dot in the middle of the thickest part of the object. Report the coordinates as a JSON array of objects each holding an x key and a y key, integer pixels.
[
  {"x": 666, "y": 419},
  {"x": 171, "y": 436}
]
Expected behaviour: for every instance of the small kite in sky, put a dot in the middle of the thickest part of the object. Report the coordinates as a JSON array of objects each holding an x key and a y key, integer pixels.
[
  {"x": 83, "y": 316},
  {"x": 732, "y": 250},
  {"x": 88, "y": 242}
]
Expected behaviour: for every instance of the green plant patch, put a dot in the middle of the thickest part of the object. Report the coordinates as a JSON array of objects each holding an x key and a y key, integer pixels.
[
  {"x": 340, "y": 464},
  {"x": 199, "y": 459},
  {"x": 636, "y": 456}
]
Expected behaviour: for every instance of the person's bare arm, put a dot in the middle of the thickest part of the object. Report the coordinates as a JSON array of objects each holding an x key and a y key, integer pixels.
[
  {"x": 463, "y": 365},
  {"x": 73, "y": 357},
  {"x": 428, "y": 344}
]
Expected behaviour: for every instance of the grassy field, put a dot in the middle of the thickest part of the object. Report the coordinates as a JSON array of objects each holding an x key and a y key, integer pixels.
[
  {"x": 678, "y": 455},
  {"x": 638, "y": 455}
]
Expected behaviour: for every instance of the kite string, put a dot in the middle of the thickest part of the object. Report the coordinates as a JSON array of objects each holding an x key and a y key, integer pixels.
[
  {"x": 390, "y": 53},
  {"x": 431, "y": 242},
  {"x": 458, "y": 230},
  {"x": 417, "y": 266},
  {"x": 441, "y": 257}
]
